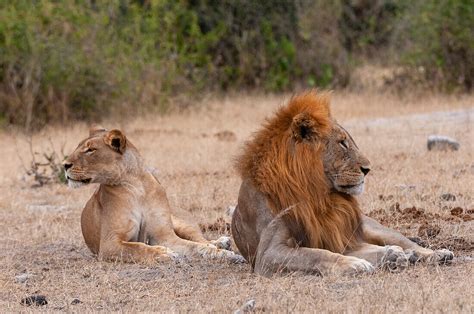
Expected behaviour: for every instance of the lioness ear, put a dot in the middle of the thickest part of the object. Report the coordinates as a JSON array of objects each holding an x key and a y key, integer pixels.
[
  {"x": 95, "y": 129},
  {"x": 304, "y": 127},
  {"x": 116, "y": 140}
]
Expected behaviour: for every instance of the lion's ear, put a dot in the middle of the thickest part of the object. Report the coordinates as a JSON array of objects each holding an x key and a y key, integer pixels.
[
  {"x": 95, "y": 129},
  {"x": 305, "y": 127},
  {"x": 117, "y": 140}
]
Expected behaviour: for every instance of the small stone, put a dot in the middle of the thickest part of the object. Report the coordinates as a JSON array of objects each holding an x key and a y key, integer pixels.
[
  {"x": 448, "y": 197},
  {"x": 440, "y": 142},
  {"x": 456, "y": 211},
  {"x": 247, "y": 307},
  {"x": 38, "y": 300},
  {"x": 75, "y": 301},
  {"x": 22, "y": 278},
  {"x": 230, "y": 210}
]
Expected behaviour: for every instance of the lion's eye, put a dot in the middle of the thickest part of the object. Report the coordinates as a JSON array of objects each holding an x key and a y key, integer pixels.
[
  {"x": 343, "y": 144},
  {"x": 90, "y": 150}
]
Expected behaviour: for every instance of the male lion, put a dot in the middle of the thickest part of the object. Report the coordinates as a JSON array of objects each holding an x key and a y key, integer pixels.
[
  {"x": 296, "y": 210},
  {"x": 128, "y": 217}
]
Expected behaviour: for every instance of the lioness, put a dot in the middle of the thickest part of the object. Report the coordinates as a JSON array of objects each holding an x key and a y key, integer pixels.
[
  {"x": 128, "y": 217},
  {"x": 296, "y": 210}
]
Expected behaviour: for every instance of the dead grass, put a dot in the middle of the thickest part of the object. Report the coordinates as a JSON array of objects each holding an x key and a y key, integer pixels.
[{"x": 40, "y": 227}]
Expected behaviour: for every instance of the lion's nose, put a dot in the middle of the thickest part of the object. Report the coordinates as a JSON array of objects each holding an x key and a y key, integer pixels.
[
  {"x": 364, "y": 170},
  {"x": 67, "y": 166}
]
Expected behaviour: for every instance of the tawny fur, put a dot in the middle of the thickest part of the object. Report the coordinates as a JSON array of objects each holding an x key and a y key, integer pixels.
[{"x": 292, "y": 176}]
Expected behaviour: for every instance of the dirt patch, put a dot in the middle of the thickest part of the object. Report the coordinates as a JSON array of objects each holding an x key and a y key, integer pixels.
[{"x": 428, "y": 226}]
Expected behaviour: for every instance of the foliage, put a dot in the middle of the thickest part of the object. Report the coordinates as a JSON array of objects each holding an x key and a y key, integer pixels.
[
  {"x": 85, "y": 59},
  {"x": 439, "y": 40}
]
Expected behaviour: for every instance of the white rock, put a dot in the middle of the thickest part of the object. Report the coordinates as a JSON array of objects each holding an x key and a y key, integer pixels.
[
  {"x": 22, "y": 278},
  {"x": 230, "y": 210},
  {"x": 441, "y": 142},
  {"x": 248, "y": 306}
]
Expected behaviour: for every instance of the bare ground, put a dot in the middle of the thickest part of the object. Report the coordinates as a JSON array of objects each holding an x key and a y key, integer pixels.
[{"x": 41, "y": 237}]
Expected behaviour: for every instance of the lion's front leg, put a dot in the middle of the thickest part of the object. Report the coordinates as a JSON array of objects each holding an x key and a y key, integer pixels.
[
  {"x": 276, "y": 252},
  {"x": 374, "y": 233},
  {"x": 388, "y": 257}
]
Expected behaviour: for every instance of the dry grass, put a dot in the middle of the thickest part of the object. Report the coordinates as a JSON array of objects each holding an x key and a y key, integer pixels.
[{"x": 40, "y": 227}]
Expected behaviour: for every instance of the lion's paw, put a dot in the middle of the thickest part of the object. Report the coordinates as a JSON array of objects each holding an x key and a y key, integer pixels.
[
  {"x": 442, "y": 256},
  {"x": 354, "y": 265},
  {"x": 223, "y": 243},
  {"x": 395, "y": 259},
  {"x": 237, "y": 259}
]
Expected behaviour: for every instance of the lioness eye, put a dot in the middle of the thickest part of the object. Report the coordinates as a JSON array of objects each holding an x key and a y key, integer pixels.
[
  {"x": 90, "y": 150},
  {"x": 343, "y": 144}
]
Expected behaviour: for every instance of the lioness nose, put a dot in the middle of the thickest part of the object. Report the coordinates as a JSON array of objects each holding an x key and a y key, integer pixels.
[
  {"x": 67, "y": 166},
  {"x": 364, "y": 170}
]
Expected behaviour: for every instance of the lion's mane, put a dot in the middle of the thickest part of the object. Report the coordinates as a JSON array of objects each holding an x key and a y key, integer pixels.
[{"x": 289, "y": 170}]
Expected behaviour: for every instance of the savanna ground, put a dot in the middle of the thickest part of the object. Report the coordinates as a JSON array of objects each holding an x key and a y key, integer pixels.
[{"x": 40, "y": 227}]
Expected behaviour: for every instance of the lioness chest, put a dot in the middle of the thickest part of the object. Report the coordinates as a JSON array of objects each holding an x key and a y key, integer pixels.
[{"x": 140, "y": 221}]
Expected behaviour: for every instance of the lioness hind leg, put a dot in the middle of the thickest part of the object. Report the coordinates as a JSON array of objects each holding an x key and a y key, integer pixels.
[
  {"x": 191, "y": 232},
  {"x": 206, "y": 250}
]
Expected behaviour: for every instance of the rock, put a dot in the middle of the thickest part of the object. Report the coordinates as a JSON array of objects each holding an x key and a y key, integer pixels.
[
  {"x": 22, "y": 278},
  {"x": 247, "y": 307},
  {"x": 456, "y": 211},
  {"x": 38, "y": 300},
  {"x": 230, "y": 210},
  {"x": 448, "y": 197},
  {"x": 440, "y": 142},
  {"x": 75, "y": 301}
]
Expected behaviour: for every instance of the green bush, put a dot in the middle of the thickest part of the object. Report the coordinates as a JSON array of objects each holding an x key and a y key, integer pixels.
[
  {"x": 84, "y": 59},
  {"x": 438, "y": 41}
]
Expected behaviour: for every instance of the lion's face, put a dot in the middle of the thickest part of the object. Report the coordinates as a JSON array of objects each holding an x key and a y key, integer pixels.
[
  {"x": 100, "y": 158},
  {"x": 344, "y": 165}
]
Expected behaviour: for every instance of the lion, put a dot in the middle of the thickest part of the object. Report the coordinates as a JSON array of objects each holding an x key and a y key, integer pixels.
[
  {"x": 297, "y": 209},
  {"x": 129, "y": 218}
]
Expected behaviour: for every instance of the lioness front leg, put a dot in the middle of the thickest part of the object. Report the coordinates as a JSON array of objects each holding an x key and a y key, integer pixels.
[
  {"x": 276, "y": 253},
  {"x": 375, "y": 233},
  {"x": 134, "y": 252}
]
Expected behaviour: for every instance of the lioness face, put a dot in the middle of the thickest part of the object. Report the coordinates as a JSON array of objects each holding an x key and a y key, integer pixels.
[
  {"x": 344, "y": 164},
  {"x": 97, "y": 159}
]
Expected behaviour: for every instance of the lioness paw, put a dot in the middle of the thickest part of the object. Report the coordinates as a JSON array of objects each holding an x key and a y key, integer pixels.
[
  {"x": 223, "y": 243},
  {"x": 395, "y": 259},
  {"x": 442, "y": 256},
  {"x": 172, "y": 254}
]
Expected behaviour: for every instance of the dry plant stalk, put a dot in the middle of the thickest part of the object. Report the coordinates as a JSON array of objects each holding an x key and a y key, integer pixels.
[{"x": 44, "y": 167}]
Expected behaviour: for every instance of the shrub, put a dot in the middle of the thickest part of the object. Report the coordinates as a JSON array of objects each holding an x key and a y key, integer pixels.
[{"x": 437, "y": 37}]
